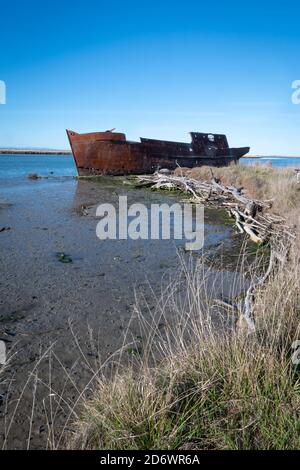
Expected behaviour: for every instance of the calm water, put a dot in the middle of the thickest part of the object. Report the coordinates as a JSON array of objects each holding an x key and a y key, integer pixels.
[
  {"x": 277, "y": 162},
  {"x": 60, "y": 192},
  {"x": 17, "y": 167}
]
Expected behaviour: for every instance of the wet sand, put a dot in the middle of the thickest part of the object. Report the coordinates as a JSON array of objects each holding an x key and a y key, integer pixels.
[{"x": 40, "y": 296}]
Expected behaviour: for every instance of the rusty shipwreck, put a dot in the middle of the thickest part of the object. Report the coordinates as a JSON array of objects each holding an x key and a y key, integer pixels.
[{"x": 111, "y": 154}]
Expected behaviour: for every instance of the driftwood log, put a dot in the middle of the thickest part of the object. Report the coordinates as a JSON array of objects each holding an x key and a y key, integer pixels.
[{"x": 251, "y": 217}]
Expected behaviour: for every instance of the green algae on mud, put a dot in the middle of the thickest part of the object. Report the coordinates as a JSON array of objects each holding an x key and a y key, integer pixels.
[{"x": 223, "y": 242}]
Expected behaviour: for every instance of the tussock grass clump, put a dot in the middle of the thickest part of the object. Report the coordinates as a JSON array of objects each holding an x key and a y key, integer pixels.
[{"x": 197, "y": 386}]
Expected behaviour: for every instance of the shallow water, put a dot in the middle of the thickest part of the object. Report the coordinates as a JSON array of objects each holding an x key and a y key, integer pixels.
[
  {"x": 40, "y": 296},
  {"x": 277, "y": 162},
  {"x": 18, "y": 166},
  {"x": 58, "y": 172}
]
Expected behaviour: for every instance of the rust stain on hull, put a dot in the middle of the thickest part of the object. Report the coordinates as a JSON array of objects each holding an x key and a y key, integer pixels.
[{"x": 110, "y": 153}]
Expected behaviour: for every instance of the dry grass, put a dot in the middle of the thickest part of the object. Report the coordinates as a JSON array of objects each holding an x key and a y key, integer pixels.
[
  {"x": 200, "y": 387},
  {"x": 260, "y": 182},
  {"x": 210, "y": 388},
  {"x": 196, "y": 384}
]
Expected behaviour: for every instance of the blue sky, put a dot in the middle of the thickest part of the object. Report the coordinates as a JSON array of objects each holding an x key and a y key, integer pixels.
[{"x": 153, "y": 69}]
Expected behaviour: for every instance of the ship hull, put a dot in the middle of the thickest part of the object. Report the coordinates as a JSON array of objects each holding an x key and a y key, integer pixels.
[{"x": 107, "y": 153}]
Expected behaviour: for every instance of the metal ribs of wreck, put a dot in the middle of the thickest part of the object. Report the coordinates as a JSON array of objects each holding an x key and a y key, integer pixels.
[{"x": 111, "y": 154}]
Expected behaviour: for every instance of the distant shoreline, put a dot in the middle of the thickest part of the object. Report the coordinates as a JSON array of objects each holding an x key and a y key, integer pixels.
[
  {"x": 34, "y": 152},
  {"x": 270, "y": 156}
]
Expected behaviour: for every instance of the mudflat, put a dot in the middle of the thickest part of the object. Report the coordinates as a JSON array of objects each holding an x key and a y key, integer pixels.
[{"x": 67, "y": 298}]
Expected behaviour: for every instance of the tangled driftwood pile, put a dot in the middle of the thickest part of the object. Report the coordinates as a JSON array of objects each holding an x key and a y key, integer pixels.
[{"x": 251, "y": 217}]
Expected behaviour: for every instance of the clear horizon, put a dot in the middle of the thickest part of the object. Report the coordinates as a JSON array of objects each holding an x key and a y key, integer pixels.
[{"x": 155, "y": 70}]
